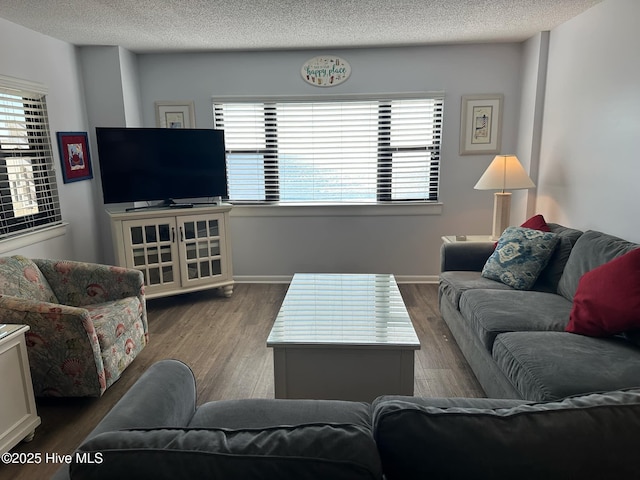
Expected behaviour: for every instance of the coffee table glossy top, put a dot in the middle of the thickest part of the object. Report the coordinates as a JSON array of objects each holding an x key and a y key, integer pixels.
[{"x": 343, "y": 309}]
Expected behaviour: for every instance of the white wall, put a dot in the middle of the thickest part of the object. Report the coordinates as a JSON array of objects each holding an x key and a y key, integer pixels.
[
  {"x": 405, "y": 245},
  {"x": 589, "y": 169},
  {"x": 31, "y": 56},
  {"x": 121, "y": 89}
]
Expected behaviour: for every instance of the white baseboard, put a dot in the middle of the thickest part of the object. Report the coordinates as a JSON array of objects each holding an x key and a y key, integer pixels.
[
  {"x": 287, "y": 278},
  {"x": 417, "y": 278},
  {"x": 262, "y": 278}
]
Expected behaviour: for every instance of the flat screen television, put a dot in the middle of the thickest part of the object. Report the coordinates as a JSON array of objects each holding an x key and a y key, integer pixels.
[{"x": 165, "y": 164}]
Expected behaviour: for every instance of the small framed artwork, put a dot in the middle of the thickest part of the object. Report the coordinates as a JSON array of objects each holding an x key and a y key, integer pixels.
[
  {"x": 74, "y": 156},
  {"x": 175, "y": 115},
  {"x": 480, "y": 124}
]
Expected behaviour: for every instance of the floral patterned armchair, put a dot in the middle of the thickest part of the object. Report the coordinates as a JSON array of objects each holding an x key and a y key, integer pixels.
[{"x": 88, "y": 321}]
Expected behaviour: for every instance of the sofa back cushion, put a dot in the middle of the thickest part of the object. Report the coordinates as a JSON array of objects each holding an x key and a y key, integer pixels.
[
  {"x": 591, "y": 250},
  {"x": 592, "y": 436},
  {"x": 20, "y": 277},
  {"x": 312, "y": 451},
  {"x": 550, "y": 276}
]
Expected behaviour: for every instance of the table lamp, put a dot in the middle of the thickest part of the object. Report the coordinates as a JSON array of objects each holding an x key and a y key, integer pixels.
[{"x": 504, "y": 173}]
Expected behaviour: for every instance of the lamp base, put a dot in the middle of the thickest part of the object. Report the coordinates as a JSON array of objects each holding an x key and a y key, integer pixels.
[{"x": 501, "y": 213}]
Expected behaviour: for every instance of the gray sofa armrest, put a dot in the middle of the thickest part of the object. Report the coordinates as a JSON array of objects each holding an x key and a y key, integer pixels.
[
  {"x": 466, "y": 256},
  {"x": 164, "y": 396}
]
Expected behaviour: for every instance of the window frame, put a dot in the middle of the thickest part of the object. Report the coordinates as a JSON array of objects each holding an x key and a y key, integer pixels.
[
  {"x": 385, "y": 149},
  {"x": 40, "y": 156}
]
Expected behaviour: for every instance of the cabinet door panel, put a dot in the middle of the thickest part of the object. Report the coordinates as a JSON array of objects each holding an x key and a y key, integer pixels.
[
  {"x": 203, "y": 248},
  {"x": 151, "y": 247}
]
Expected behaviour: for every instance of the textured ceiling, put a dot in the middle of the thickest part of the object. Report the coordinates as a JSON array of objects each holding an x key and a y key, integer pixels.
[{"x": 215, "y": 25}]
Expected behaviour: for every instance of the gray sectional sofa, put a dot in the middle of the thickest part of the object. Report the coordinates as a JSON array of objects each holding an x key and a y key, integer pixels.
[
  {"x": 541, "y": 423},
  {"x": 515, "y": 341},
  {"x": 157, "y": 431}
]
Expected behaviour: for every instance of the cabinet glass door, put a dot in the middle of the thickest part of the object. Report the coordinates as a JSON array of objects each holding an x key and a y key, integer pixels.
[
  {"x": 202, "y": 247},
  {"x": 150, "y": 246}
]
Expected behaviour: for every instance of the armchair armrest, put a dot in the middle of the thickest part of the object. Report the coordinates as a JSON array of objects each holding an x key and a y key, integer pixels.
[
  {"x": 80, "y": 283},
  {"x": 469, "y": 256},
  {"x": 62, "y": 345}
]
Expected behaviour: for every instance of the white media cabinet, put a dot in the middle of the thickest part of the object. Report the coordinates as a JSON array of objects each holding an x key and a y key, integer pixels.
[{"x": 177, "y": 249}]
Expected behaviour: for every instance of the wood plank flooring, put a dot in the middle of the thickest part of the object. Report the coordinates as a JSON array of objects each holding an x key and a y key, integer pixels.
[{"x": 224, "y": 342}]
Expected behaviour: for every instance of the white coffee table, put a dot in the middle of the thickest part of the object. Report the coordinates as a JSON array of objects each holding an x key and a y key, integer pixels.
[{"x": 343, "y": 336}]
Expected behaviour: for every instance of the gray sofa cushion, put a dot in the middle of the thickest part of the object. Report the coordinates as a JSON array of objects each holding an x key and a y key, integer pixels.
[
  {"x": 312, "y": 451},
  {"x": 263, "y": 413},
  {"x": 591, "y": 250},
  {"x": 248, "y": 438},
  {"x": 552, "y": 365},
  {"x": 491, "y": 312},
  {"x": 593, "y": 436},
  {"x": 451, "y": 402},
  {"x": 454, "y": 284},
  {"x": 550, "y": 276}
]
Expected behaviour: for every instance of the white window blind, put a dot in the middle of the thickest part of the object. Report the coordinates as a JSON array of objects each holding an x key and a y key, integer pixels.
[
  {"x": 351, "y": 151},
  {"x": 28, "y": 191}
]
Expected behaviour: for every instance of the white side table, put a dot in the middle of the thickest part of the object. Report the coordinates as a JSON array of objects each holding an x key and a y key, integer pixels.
[
  {"x": 467, "y": 238},
  {"x": 18, "y": 416}
]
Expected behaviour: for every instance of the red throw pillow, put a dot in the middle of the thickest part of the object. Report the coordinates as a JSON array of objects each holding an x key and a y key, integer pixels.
[
  {"x": 537, "y": 222},
  {"x": 607, "y": 300}
]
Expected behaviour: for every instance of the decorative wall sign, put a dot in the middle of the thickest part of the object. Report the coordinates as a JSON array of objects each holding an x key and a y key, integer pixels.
[
  {"x": 74, "y": 156},
  {"x": 480, "y": 124},
  {"x": 325, "y": 71},
  {"x": 175, "y": 115}
]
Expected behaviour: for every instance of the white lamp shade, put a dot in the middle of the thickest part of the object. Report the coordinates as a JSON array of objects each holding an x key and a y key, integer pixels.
[{"x": 504, "y": 173}]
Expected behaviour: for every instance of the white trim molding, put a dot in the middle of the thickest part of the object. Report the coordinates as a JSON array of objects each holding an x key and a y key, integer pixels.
[
  {"x": 336, "y": 210},
  {"x": 29, "y": 238},
  {"x": 431, "y": 279}
]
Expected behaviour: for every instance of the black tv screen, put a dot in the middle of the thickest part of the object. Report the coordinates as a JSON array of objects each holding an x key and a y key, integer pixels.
[{"x": 148, "y": 164}]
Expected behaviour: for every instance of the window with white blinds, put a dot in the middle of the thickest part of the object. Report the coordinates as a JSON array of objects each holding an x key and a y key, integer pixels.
[
  {"x": 28, "y": 191},
  {"x": 345, "y": 151}
]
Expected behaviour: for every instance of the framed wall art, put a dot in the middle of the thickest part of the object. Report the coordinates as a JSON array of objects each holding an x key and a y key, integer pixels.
[
  {"x": 74, "y": 156},
  {"x": 480, "y": 124},
  {"x": 175, "y": 115}
]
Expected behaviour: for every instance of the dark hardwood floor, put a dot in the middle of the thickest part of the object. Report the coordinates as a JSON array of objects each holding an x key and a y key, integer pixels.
[{"x": 224, "y": 342}]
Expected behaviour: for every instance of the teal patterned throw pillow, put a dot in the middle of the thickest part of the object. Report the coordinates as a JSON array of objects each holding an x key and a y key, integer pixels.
[{"x": 520, "y": 256}]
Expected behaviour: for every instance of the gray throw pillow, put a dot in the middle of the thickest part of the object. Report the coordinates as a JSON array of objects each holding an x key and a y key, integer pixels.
[{"x": 520, "y": 256}]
